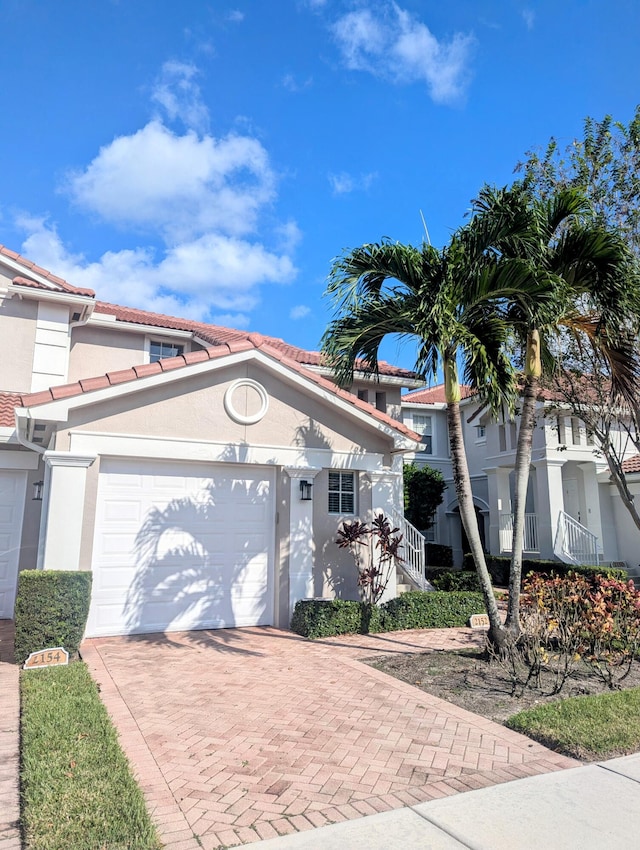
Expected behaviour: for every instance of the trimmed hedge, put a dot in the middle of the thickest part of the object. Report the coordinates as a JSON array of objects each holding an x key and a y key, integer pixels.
[
  {"x": 498, "y": 566},
  {"x": 52, "y": 607},
  {"x": 454, "y": 580},
  {"x": 439, "y": 555},
  {"x": 314, "y": 618}
]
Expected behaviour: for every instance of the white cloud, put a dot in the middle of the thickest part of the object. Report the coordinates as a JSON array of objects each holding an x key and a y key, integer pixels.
[
  {"x": 177, "y": 92},
  {"x": 301, "y": 311},
  {"x": 212, "y": 273},
  {"x": 197, "y": 203},
  {"x": 394, "y": 45},
  {"x": 290, "y": 83},
  {"x": 235, "y": 16},
  {"x": 343, "y": 183},
  {"x": 178, "y": 185},
  {"x": 529, "y": 18}
]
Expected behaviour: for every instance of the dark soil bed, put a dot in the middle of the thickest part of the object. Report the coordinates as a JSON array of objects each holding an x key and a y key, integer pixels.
[{"x": 468, "y": 680}]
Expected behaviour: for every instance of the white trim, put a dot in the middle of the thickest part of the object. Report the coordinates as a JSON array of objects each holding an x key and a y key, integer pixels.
[
  {"x": 109, "y": 320},
  {"x": 128, "y": 445},
  {"x": 241, "y": 418},
  {"x": 389, "y": 380},
  {"x": 18, "y": 460},
  {"x": 67, "y": 459},
  {"x": 87, "y": 302},
  {"x": 59, "y": 409}
]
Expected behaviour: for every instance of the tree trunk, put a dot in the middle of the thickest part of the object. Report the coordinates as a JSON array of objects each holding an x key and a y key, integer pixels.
[
  {"x": 533, "y": 371},
  {"x": 462, "y": 483},
  {"x": 521, "y": 469}
]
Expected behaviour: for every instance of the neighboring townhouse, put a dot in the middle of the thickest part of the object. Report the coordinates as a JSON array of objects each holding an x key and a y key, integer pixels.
[
  {"x": 573, "y": 511},
  {"x": 200, "y": 472}
]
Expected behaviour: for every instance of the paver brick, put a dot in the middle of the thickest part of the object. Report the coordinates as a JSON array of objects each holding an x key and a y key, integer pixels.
[{"x": 279, "y": 734}]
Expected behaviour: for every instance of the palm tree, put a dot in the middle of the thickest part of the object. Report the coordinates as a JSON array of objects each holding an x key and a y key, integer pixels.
[
  {"x": 452, "y": 302},
  {"x": 589, "y": 274}
]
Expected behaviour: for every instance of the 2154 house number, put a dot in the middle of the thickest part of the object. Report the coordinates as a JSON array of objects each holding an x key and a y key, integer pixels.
[{"x": 52, "y": 657}]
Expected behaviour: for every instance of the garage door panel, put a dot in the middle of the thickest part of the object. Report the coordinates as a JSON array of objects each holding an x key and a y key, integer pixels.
[
  {"x": 12, "y": 496},
  {"x": 181, "y": 546}
]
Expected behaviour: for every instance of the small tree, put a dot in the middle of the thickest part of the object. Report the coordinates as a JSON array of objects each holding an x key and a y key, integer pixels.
[
  {"x": 423, "y": 493},
  {"x": 375, "y": 551}
]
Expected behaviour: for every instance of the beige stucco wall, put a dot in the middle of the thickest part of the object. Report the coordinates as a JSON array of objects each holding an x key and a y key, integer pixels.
[
  {"x": 193, "y": 408},
  {"x": 17, "y": 332},
  {"x": 95, "y": 351}
]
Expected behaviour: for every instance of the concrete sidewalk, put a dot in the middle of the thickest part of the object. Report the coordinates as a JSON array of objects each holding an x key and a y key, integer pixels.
[{"x": 591, "y": 808}]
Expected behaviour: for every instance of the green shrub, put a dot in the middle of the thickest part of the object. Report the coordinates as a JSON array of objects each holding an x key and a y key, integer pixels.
[
  {"x": 417, "y": 609},
  {"x": 314, "y": 618},
  {"x": 51, "y": 610},
  {"x": 439, "y": 555},
  {"x": 436, "y": 609},
  {"x": 498, "y": 566},
  {"x": 455, "y": 580}
]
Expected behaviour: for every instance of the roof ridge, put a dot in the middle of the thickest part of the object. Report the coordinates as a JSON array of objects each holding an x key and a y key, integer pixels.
[{"x": 169, "y": 364}]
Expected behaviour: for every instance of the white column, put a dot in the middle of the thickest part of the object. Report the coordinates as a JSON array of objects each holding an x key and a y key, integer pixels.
[
  {"x": 593, "y": 515},
  {"x": 301, "y": 541},
  {"x": 387, "y": 496},
  {"x": 62, "y": 510},
  {"x": 549, "y": 503},
  {"x": 499, "y": 503}
]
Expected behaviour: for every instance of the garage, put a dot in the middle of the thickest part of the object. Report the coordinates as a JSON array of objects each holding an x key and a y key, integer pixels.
[
  {"x": 181, "y": 546},
  {"x": 12, "y": 493}
]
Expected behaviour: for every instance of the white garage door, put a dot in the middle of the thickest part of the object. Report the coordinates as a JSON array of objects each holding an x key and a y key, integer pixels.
[
  {"x": 12, "y": 492},
  {"x": 181, "y": 546}
]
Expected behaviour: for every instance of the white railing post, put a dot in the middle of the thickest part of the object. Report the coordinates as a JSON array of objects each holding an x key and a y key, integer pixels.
[
  {"x": 412, "y": 552},
  {"x": 574, "y": 543},
  {"x": 530, "y": 542}
]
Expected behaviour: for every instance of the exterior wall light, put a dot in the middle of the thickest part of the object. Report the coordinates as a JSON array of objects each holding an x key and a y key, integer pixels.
[
  {"x": 37, "y": 491},
  {"x": 305, "y": 490}
]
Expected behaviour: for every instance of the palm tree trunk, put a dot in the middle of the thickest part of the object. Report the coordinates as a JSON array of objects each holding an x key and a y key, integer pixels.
[
  {"x": 533, "y": 369},
  {"x": 462, "y": 484}
]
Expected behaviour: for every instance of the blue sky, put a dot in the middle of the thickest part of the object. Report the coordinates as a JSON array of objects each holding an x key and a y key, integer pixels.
[{"x": 209, "y": 160}]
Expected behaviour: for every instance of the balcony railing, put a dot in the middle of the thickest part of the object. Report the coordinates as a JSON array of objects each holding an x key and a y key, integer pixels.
[{"x": 530, "y": 533}]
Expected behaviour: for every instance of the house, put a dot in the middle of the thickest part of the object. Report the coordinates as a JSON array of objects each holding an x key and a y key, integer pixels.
[
  {"x": 200, "y": 472},
  {"x": 573, "y": 511}
]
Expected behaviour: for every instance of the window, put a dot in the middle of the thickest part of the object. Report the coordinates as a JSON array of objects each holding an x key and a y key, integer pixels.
[
  {"x": 422, "y": 426},
  {"x": 381, "y": 402},
  {"x": 342, "y": 492},
  {"x": 481, "y": 432},
  {"x": 431, "y": 533},
  {"x": 160, "y": 350},
  {"x": 363, "y": 395}
]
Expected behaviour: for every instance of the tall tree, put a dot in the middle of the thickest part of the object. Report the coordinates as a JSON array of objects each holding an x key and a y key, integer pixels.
[
  {"x": 448, "y": 300},
  {"x": 589, "y": 272}
]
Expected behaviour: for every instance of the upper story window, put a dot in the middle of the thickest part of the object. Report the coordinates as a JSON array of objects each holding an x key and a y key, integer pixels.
[
  {"x": 342, "y": 492},
  {"x": 481, "y": 432},
  {"x": 160, "y": 350},
  {"x": 422, "y": 425},
  {"x": 381, "y": 402}
]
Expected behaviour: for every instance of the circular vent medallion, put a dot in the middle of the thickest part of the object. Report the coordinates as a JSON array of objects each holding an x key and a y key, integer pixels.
[{"x": 246, "y": 401}]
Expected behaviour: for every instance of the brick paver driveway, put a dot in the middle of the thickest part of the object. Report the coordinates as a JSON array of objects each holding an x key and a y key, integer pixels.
[{"x": 243, "y": 734}]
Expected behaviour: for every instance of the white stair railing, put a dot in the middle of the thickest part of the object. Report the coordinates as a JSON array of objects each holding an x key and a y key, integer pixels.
[
  {"x": 530, "y": 533},
  {"x": 412, "y": 551},
  {"x": 575, "y": 544}
]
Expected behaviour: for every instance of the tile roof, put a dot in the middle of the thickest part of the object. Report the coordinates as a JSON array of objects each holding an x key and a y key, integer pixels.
[
  {"x": 211, "y": 334},
  {"x": 631, "y": 464},
  {"x": 58, "y": 281},
  {"x": 250, "y": 342},
  {"x": 218, "y": 335},
  {"x": 8, "y": 401},
  {"x": 433, "y": 395}
]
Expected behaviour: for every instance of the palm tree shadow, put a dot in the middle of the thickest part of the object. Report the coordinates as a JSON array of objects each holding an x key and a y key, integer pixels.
[{"x": 196, "y": 571}]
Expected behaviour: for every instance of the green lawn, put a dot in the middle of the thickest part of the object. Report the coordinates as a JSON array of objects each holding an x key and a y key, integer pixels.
[
  {"x": 77, "y": 788},
  {"x": 589, "y": 727}
]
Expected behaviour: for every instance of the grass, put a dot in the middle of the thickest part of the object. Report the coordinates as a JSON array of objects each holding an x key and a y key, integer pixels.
[
  {"x": 586, "y": 727},
  {"x": 77, "y": 788}
]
